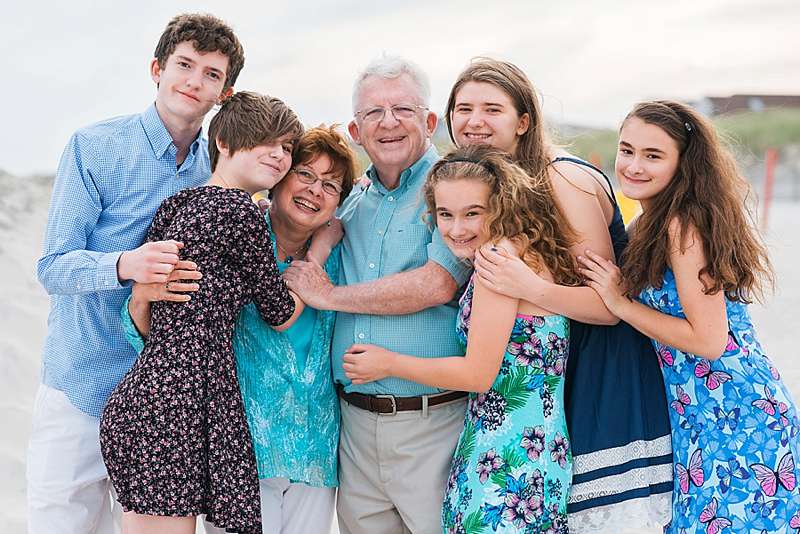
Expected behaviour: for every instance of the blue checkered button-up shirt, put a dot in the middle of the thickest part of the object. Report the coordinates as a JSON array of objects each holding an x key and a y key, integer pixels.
[
  {"x": 385, "y": 234},
  {"x": 112, "y": 177}
]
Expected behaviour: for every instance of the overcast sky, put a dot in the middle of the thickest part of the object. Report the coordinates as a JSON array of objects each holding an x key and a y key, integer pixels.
[{"x": 68, "y": 64}]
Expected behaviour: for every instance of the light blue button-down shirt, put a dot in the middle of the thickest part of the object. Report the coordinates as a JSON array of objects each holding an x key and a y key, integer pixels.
[
  {"x": 112, "y": 177},
  {"x": 386, "y": 233}
]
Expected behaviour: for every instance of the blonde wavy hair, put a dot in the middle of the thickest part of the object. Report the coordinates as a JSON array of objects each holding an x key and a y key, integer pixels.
[{"x": 521, "y": 208}]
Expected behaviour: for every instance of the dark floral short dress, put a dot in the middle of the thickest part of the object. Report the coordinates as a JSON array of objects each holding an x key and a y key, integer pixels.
[
  {"x": 512, "y": 469},
  {"x": 174, "y": 433}
]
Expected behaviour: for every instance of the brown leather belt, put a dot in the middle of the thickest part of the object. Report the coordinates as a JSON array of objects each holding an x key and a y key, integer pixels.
[{"x": 390, "y": 405}]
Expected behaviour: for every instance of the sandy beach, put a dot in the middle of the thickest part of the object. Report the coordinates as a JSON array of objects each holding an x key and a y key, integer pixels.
[{"x": 24, "y": 306}]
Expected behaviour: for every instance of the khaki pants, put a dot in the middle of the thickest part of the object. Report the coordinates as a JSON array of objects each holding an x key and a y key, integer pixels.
[{"x": 393, "y": 468}]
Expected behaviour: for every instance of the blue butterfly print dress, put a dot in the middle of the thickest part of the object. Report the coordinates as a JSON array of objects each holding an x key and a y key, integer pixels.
[
  {"x": 734, "y": 431},
  {"x": 512, "y": 468}
]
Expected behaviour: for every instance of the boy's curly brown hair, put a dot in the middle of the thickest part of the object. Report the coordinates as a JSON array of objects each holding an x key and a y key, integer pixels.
[{"x": 208, "y": 34}]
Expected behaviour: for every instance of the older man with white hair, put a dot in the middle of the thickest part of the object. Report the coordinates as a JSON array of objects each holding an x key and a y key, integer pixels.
[{"x": 398, "y": 281}]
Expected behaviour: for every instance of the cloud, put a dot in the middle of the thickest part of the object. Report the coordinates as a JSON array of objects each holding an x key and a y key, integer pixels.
[{"x": 72, "y": 64}]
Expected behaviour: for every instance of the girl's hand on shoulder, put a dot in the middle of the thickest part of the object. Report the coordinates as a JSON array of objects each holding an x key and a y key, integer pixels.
[
  {"x": 367, "y": 363},
  {"x": 504, "y": 272},
  {"x": 263, "y": 205},
  {"x": 604, "y": 277}
]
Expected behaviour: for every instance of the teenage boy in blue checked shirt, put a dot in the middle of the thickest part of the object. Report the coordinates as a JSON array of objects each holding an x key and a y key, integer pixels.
[{"x": 112, "y": 177}]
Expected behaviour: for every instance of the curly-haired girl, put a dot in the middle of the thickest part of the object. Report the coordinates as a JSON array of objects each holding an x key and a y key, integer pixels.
[
  {"x": 513, "y": 464},
  {"x": 614, "y": 401}
]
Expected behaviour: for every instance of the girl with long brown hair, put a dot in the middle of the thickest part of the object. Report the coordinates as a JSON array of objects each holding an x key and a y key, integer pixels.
[
  {"x": 615, "y": 405},
  {"x": 694, "y": 262},
  {"x": 512, "y": 467}
]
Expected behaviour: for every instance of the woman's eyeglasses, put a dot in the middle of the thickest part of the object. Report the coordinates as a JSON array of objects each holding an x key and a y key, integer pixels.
[{"x": 309, "y": 178}]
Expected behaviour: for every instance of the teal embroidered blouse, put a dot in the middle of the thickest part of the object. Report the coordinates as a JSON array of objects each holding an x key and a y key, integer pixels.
[{"x": 289, "y": 399}]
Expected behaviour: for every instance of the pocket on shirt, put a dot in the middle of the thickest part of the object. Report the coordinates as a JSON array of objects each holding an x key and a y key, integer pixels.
[{"x": 407, "y": 248}]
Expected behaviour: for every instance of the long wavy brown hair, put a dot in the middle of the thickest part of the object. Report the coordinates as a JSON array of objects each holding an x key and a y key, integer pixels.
[
  {"x": 520, "y": 208},
  {"x": 708, "y": 193},
  {"x": 533, "y": 147}
]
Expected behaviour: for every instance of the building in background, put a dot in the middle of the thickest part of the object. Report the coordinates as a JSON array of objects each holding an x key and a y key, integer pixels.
[{"x": 719, "y": 105}]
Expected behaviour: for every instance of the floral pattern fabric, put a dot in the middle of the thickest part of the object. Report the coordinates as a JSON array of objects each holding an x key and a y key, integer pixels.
[
  {"x": 513, "y": 465},
  {"x": 174, "y": 435},
  {"x": 734, "y": 431},
  {"x": 300, "y": 440}
]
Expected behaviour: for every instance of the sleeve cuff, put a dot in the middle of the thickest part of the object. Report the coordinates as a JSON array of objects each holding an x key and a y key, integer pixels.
[
  {"x": 129, "y": 329},
  {"x": 441, "y": 254},
  {"x": 107, "y": 272}
]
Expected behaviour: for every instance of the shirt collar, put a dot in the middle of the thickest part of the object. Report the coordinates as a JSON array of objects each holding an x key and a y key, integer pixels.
[
  {"x": 158, "y": 135},
  {"x": 418, "y": 170}
]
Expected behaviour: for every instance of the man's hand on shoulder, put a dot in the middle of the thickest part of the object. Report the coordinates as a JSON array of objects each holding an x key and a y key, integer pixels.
[
  {"x": 310, "y": 282},
  {"x": 150, "y": 263}
]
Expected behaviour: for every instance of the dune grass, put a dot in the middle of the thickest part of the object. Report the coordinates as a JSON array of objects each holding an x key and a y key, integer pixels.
[{"x": 749, "y": 133}]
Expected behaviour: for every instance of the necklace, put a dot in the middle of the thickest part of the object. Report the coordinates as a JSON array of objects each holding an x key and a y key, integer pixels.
[{"x": 290, "y": 256}]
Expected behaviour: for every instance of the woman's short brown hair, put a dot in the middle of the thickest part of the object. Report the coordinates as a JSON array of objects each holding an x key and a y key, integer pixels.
[{"x": 327, "y": 140}]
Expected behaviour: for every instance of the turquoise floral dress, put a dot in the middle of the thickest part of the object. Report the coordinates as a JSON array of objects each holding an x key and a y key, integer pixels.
[
  {"x": 734, "y": 431},
  {"x": 513, "y": 465}
]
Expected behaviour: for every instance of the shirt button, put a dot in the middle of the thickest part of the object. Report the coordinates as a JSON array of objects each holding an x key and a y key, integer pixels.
[
  {"x": 361, "y": 335},
  {"x": 390, "y": 199},
  {"x": 371, "y": 265},
  {"x": 380, "y": 232}
]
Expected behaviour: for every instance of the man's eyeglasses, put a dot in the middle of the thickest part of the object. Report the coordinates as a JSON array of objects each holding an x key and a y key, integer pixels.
[
  {"x": 309, "y": 178},
  {"x": 399, "y": 112}
]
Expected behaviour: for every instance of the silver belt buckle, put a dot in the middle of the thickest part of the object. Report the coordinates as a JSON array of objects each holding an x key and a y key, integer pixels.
[{"x": 394, "y": 404}]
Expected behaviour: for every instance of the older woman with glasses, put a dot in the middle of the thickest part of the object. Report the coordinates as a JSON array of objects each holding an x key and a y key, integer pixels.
[{"x": 285, "y": 377}]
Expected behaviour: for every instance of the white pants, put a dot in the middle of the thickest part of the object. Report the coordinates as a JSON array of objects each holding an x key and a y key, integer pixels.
[
  {"x": 293, "y": 508},
  {"x": 68, "y": 486}
]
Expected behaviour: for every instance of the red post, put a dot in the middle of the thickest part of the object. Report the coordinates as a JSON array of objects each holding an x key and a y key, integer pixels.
[{"x": 770, "y": 161}]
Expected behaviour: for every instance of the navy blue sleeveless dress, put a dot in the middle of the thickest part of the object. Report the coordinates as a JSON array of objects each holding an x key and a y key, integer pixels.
[{"x": 618, "y": 422}]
